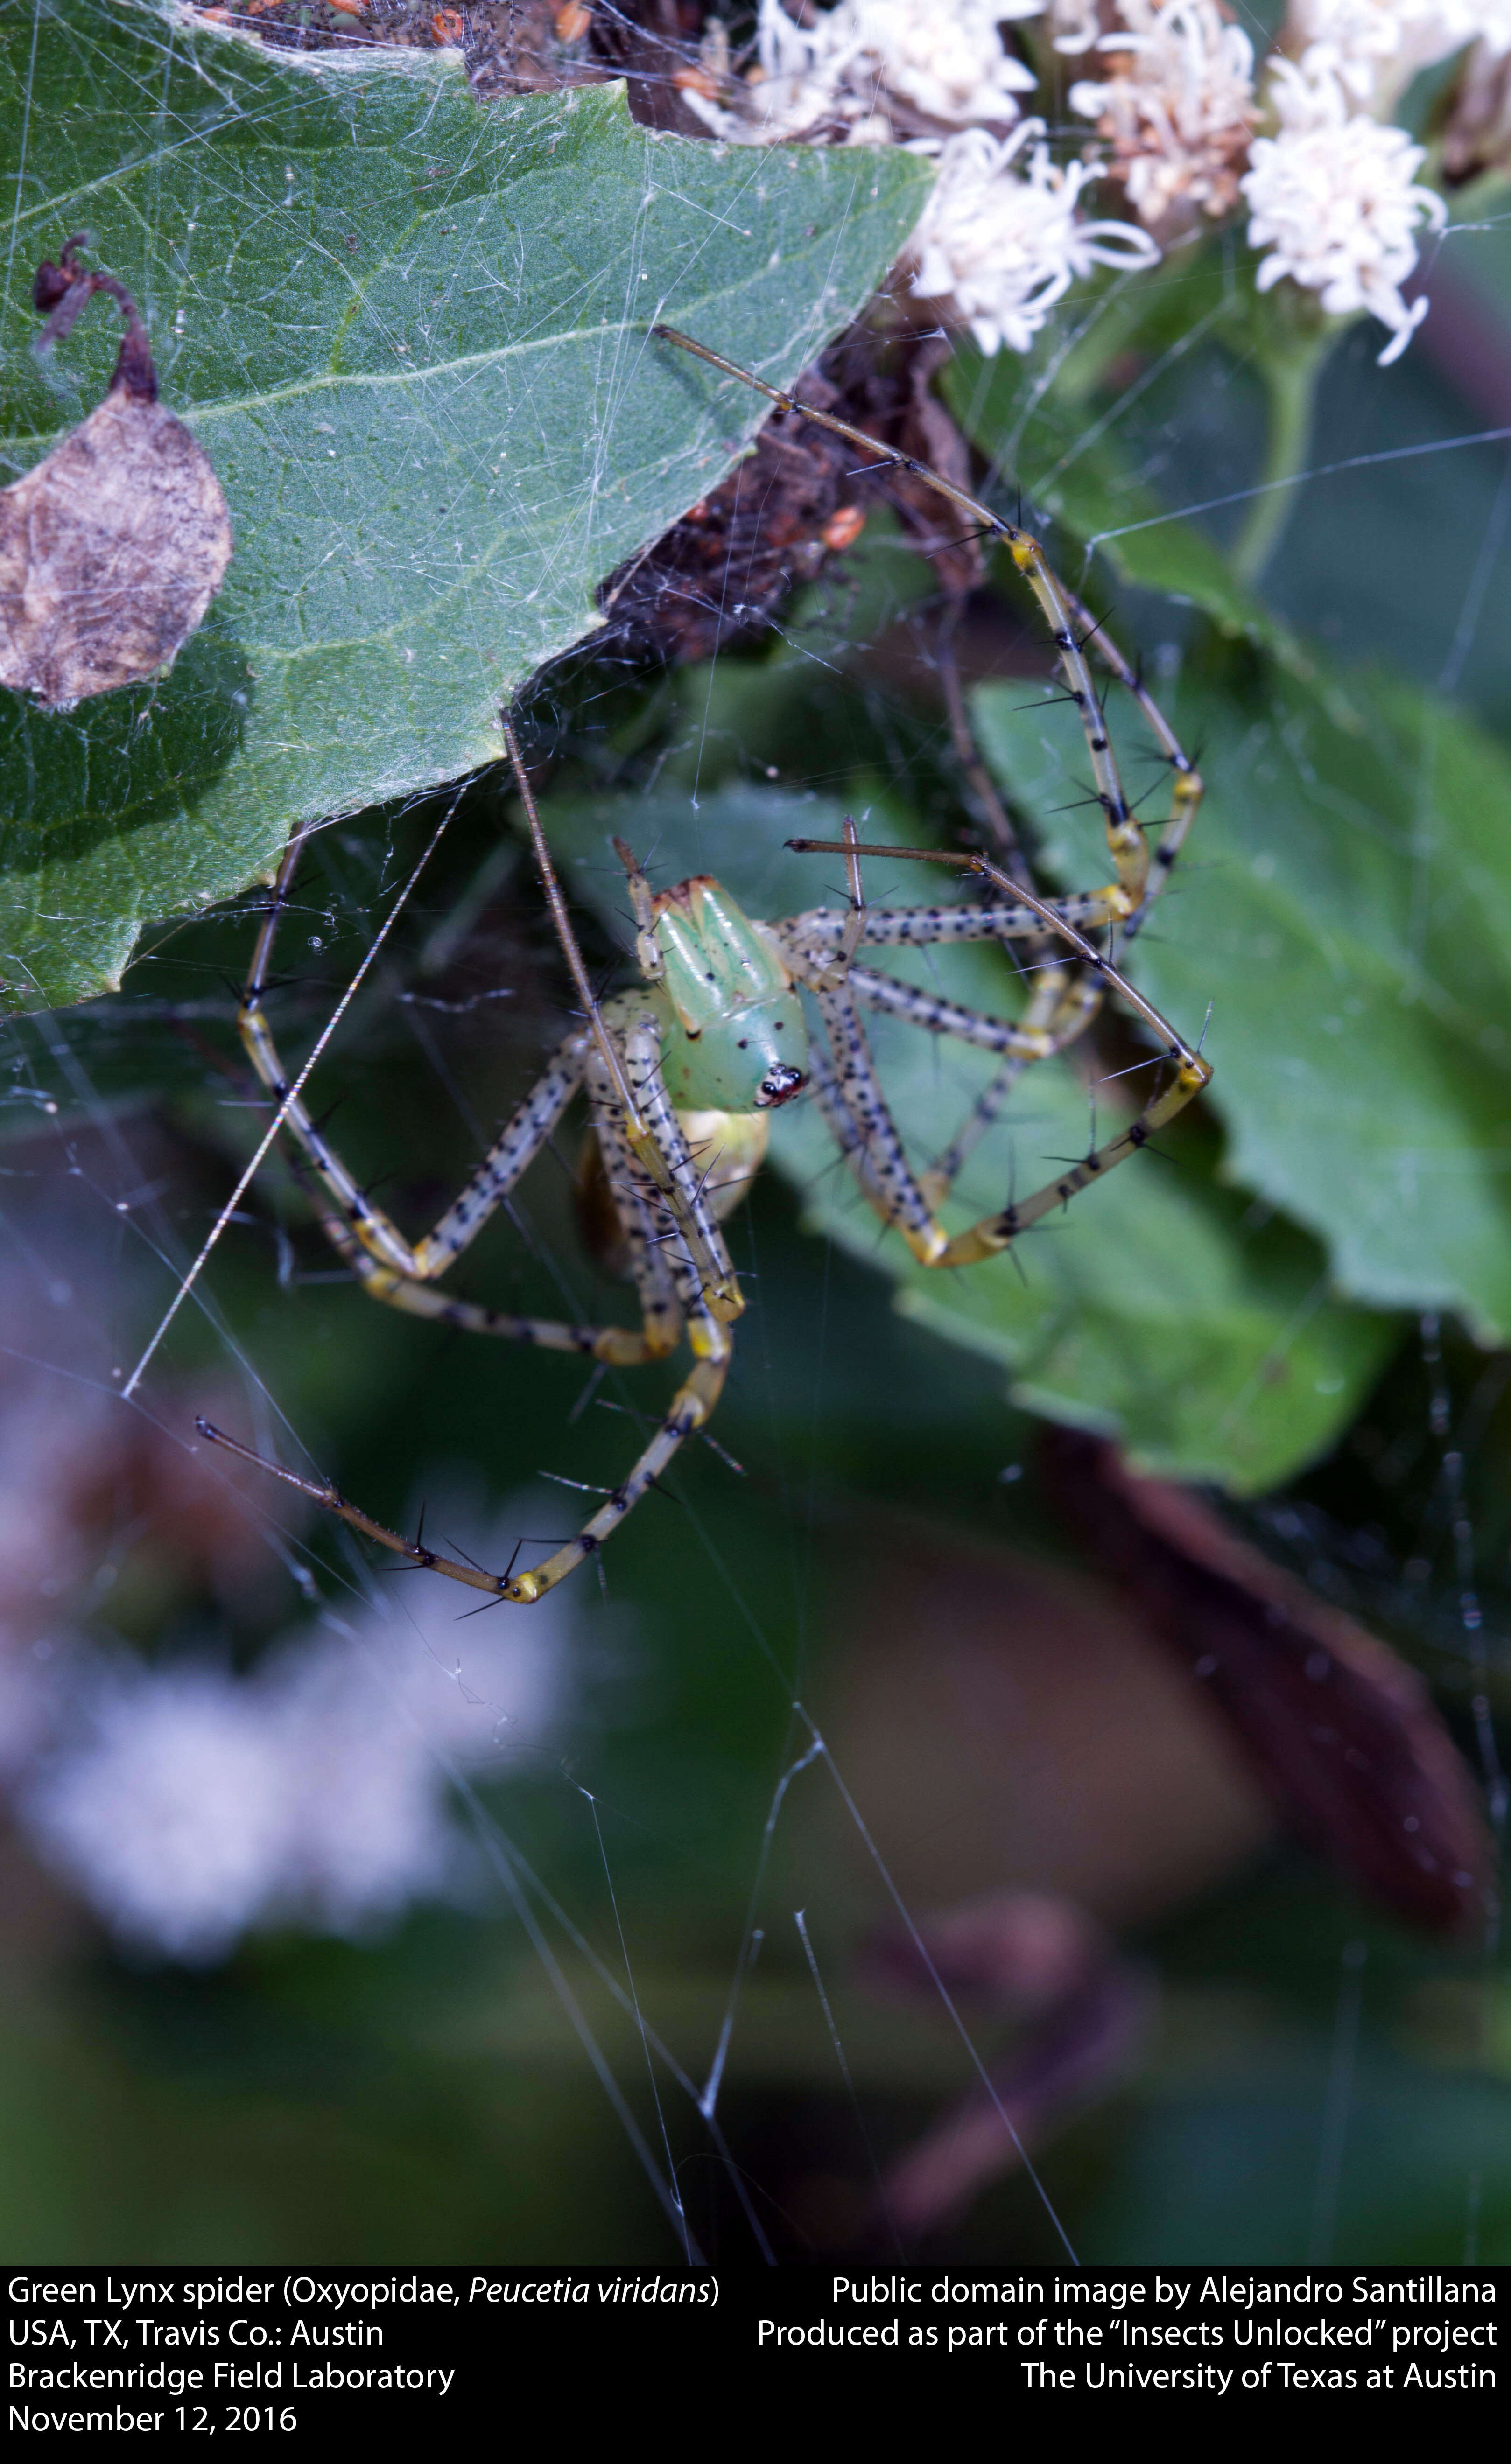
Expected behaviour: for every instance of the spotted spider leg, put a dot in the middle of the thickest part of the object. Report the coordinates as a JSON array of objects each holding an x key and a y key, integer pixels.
[
  {"x": 850, "y": 1092},
  {"x": 690, "y": 1410},
  {"x": 1185, "y": 791},
  {"x": 1072, "y": 627},
  {"x": 633, "y": 1070},
  {"x": 390, "y": 1267},
  {"x": 1058, "y": 997},
  {"x": 671, "y": 1286},
  {"x": 670, "y": 1281},
  {"x": 619, "y": 1347},
  {"x": 820, "y": 947},
  {"x": 1061, "y": 1006},
  {"x": 1064, "y": 1000}
]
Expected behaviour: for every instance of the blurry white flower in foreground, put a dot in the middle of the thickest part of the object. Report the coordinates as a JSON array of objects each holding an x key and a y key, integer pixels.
[
  {"x": 174, "y": 1816},
  {"x": 801, "y": 85},
  {"x": 1332, "y": 197},
  {"x": 1376, "y": 46},
  {"x": 190, "y": 1805},
  {"x": 1005, "y": 244},
  {"x": 1177, "y": 106}
]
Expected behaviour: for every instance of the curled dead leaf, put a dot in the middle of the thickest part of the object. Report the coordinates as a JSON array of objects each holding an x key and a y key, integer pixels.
[
  {"x": 1343, "y": 1733},
  {"x": 113, "y": 547}
]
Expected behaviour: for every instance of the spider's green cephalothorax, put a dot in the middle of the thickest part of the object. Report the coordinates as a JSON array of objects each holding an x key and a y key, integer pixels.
[{"x": 733, "y": 1035}]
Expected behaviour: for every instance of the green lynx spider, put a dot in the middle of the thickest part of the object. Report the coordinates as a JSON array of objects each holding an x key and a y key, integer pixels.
[{"x": 683, "y": 1072}]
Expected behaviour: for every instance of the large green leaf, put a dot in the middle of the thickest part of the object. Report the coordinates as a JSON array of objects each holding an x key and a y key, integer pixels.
[
  {"x": 409, "y": 328},
  {"x": 1159, "y": 1307},
  {"x": 1345, "y": 909}
]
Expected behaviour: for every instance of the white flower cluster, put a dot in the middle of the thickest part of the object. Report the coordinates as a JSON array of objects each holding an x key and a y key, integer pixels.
[
  {"x": 1177, "y": 108},
  {"x": 189, "y": 1804},
  {"x": 1006, "y": 243},
  {"x": 1375, "y": 47},
  {"x": 849, "y": 69},
  {"x": 1331, "y": 194},
  {"x": 1333, "y": 198},
  {"x": 1001, "y": 237}
]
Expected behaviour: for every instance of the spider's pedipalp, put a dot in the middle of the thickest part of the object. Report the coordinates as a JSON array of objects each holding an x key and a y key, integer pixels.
[{"x": 647, "y": 949}]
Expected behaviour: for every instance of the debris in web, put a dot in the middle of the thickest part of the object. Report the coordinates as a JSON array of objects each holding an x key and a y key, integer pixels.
[
  {"x": 662, "y": 49},
  {"x": 1343, "y": 1732},
  {"x": 801, "y": 497},
  {"x": 113, "y": 547}
]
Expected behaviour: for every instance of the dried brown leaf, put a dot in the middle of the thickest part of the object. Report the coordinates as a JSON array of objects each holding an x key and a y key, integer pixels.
[
  {"x": 1343, "y": 1734},
  {"x": 113, "y": 547}
]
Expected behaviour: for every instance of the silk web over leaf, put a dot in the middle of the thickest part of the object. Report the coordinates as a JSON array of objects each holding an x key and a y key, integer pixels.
[{"x": 409, "y": 329}]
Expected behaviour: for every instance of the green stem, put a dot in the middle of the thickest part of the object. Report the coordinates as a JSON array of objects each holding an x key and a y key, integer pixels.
[{"x": 1290, "y": 383}]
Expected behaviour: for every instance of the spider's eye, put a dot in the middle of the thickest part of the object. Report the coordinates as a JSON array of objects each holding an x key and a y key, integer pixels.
[{"x": 779, "y": 1086}]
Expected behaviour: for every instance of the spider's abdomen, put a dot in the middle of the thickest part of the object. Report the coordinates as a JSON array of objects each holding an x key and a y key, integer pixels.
[{"x": 733, "y": 1035}]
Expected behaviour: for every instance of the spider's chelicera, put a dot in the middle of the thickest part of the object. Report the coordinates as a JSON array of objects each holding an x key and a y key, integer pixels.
[{"x": 683, "y": 1073}]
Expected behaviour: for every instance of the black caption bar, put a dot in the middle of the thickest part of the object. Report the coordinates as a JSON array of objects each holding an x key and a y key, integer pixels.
[{"x": 284, "y": 2353}]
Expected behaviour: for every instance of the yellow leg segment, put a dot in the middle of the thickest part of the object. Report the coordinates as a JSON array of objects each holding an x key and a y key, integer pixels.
[
  {"x": 868, "y": 1138},
  {"x": 619, "y": 1347},
  {"x": 997, "y": 1232},
  {"x": 362, "y": 1222},
  {"x": 692, "y": 1406}
]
